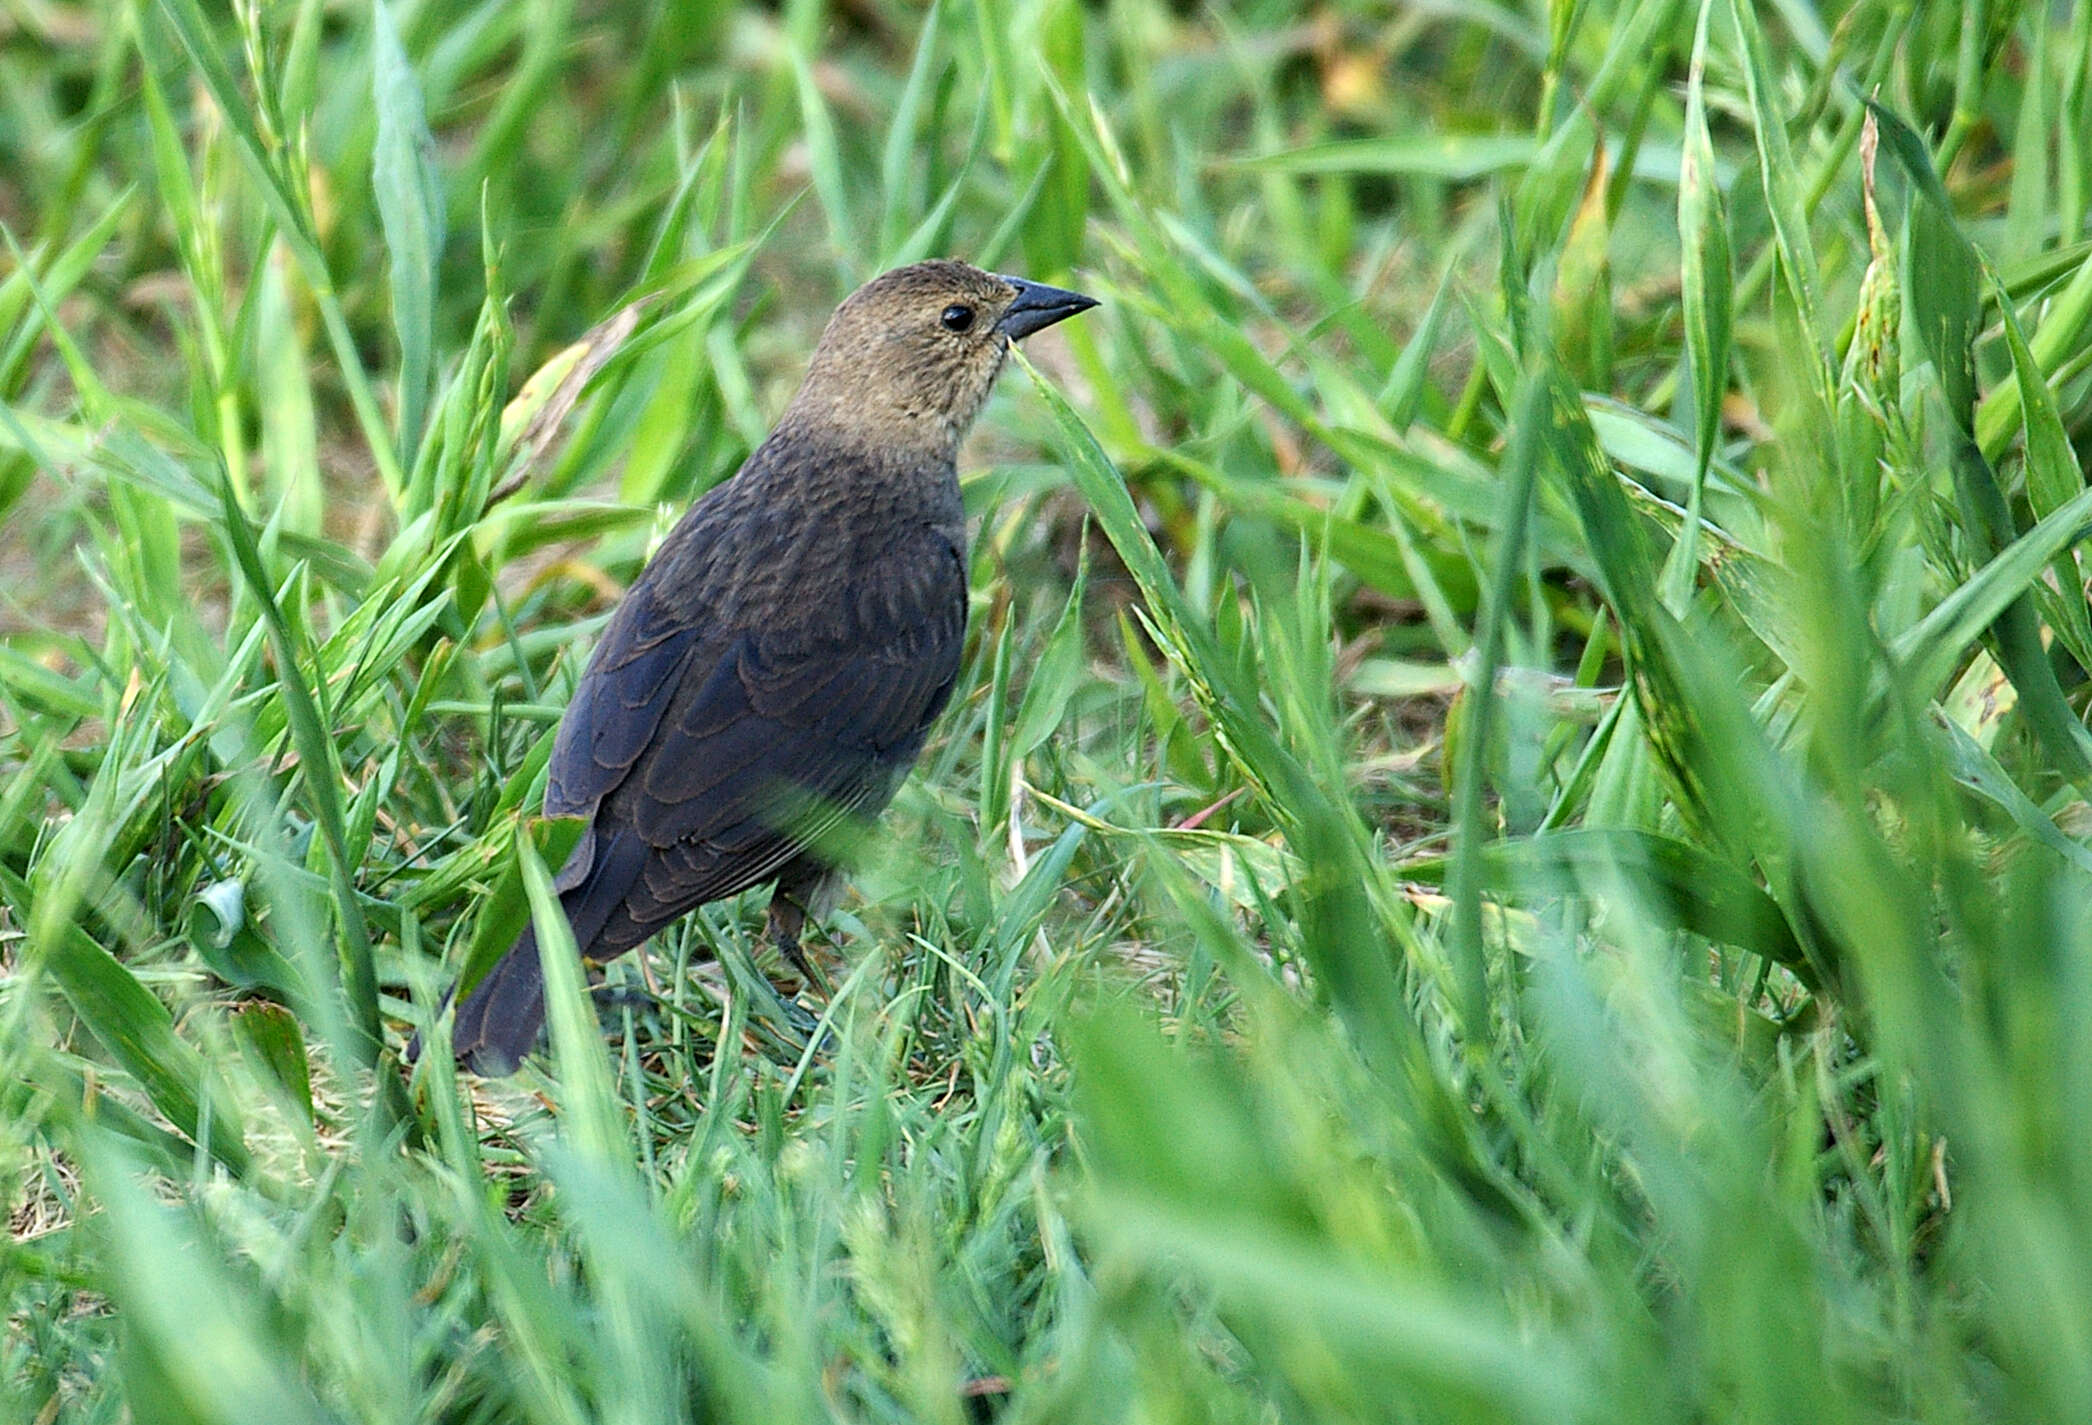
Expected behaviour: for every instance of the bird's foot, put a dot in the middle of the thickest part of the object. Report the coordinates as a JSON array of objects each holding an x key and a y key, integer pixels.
[
  {"x": 802, "y": 1019},
  {"x": 794, "y": 954}
]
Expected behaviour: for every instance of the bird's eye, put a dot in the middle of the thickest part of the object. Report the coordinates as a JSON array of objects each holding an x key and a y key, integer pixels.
[{"x": 957, "y": 317}]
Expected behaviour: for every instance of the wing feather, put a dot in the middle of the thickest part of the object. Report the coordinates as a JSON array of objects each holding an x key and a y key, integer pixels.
[
  {"x": 763, "y": 740},
  {"x": 616, "y": 711}
]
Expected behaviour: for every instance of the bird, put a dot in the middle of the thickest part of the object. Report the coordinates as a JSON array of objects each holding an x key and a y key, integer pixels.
[{"x": 768, "y": 679}]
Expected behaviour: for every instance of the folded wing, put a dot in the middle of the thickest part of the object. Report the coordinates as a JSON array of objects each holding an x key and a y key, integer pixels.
[{"x": 727, "y": 753}]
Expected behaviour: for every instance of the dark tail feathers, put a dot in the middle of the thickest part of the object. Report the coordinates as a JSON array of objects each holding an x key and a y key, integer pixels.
[{"x": 499, "y": 1022}]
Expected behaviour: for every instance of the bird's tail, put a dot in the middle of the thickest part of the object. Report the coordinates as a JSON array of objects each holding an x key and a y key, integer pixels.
[{"x": 499, "y": 1022}]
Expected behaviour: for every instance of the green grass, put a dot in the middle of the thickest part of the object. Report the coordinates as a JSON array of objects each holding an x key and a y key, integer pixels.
[{"x": 1512, "y": 843}]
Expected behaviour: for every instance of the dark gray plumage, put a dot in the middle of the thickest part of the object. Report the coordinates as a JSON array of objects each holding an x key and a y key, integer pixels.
[{"x": 775, "y": 667}]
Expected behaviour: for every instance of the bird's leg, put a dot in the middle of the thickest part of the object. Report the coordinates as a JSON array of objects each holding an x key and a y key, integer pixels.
[
  {"x": 787, "y": 922},
  {"x": 807, "y": 890}
]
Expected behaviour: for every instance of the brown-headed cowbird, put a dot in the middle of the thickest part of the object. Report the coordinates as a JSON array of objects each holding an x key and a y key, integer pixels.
[{"x": 774, "y": 668}]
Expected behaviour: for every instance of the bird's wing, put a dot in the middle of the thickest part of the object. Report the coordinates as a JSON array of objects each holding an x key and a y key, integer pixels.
[
  {"x": 731, "y": 752},
  {"x": 773, "y": 762},
  {"x": 616, "y": 710}
]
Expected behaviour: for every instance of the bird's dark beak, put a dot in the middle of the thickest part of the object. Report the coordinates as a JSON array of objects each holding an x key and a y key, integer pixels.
[{"x": 1038, "y": 307}]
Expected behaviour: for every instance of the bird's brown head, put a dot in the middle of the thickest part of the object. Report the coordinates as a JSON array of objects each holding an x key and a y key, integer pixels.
[{"x": 914, "y": 352}]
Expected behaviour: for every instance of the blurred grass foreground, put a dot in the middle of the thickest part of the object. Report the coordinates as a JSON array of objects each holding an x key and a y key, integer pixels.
[{"x": 1512, "y": 844}]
